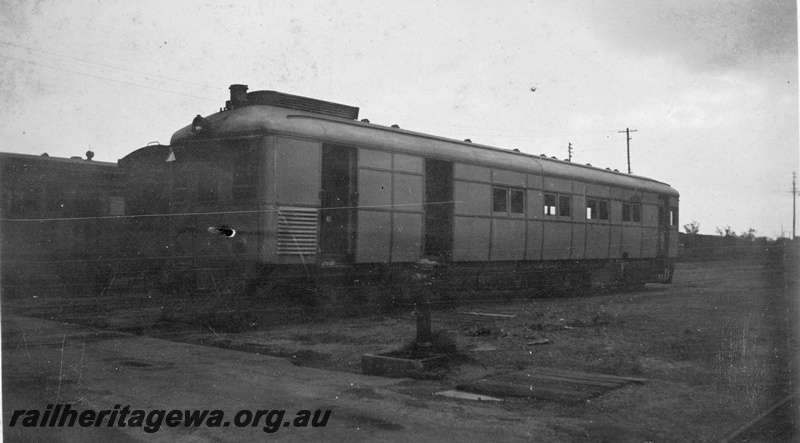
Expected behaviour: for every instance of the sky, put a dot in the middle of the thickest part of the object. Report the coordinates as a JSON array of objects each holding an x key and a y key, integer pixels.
[{"x": 710, "y": 87}]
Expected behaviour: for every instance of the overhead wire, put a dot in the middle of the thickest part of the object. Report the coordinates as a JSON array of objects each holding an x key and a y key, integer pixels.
[
  {"x": 147, "y": 74},
  {"x": 108, "y": 79}
]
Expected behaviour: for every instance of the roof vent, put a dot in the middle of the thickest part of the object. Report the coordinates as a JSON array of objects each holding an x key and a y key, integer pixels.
[
  {"x": 468, "y": 140},
  {"x": 588, "y": 164},
  {"x": 364, "y": 120},
  {"x": 515, "y": 150},
  {"x": 281, "y": 100},
  {"x": 396, "y": 126}
]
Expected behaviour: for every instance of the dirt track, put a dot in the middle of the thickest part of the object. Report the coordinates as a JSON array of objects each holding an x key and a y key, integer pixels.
[{"x": 717, "y": 348}]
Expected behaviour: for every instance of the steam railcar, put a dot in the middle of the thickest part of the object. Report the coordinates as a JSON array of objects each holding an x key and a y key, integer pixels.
[{"x": 281, "y": 186}]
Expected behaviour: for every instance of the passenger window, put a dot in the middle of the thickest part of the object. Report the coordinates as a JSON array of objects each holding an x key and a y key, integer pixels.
[
  {"x": 508, "y": 200},
  {"x": 549, "y": 204},
  {"x": 591, "y": 209},
  {"x": 517, "y": 201},
  {"x": 631, "y": 212},
  {"x": 563, "y": 206},
  {"x": 673, "y": 216},
  {"x": 602, "y": 209},
  {"x": 499, "y": 200},
  {"x": 596, "y": 209}
]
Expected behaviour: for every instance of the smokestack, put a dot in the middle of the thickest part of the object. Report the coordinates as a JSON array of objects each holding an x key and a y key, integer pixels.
[{"x": 238, "y": 96}]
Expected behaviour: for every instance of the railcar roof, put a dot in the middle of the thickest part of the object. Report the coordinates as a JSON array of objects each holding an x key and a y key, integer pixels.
[
  {"x": 260, "y": 119},
  {"x": 42, "y": 159}
]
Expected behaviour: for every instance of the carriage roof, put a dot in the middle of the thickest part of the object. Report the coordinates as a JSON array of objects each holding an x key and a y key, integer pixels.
[{"x": 258, "y": 119}]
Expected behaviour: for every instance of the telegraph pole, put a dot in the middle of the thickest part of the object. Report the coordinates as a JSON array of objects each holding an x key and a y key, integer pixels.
[
  {"x": 569, "y": 150},
  {"x": 627, "y": 132}
]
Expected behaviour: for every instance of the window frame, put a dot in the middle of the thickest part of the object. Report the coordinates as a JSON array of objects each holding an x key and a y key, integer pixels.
[
  {"x": 631, "y": 212},
  {"x": 551, "y": 210},
  {"x": 567, "y": 206},
  {"x": 505, "y": 205},
  {"x": 559, "y": 208},
  {"x": 597, "y": 209},
  {"x": 673, "y": 216},
  {"x": 511, "y": 201},
  {"x": 499, "y": 205}
]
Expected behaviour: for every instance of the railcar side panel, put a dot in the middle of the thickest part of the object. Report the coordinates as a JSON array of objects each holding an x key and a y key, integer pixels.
[
  {"x": 471, "y": 238},
  {"x": 469, "y": 172},
  {"x": 614, "y": 240},
  {"x": 508, "y": 178},
  {"x": 578, "y": 248},
  {"x": 598, "y": 191},
  {"x": 614, "y": 224},
  {"x": 557, "y": 239},
  {"x": 58, "y": 230},
  {"x": 536, "y": 182},
  {"x": 597, "y": 238},
  {"x": 552, "y": 184},
  {"x": 297, "y": 172},
  {"x": 375, "y": 190},
  {"x": 534, "y": 240},
  {"x": 673, "y": 244},
  {"x": 631, "y": 241},
  {"x": 373, "y": 236},
  {"x": 472, "y": 198},
  {"x": 369, "y": 158},
  {"x": 534, "y": 204},
  {"x": 406, "y": 237},
  {"x": 408, "y": 195},
  {"x": 650, "y": 198},
  {"x": 407, "y": 163},
  {"x": 649, "y": 216},
  {"x": 390, "y": 196},
  {"x": 649, "y": 242},
  {"x": 650, "y": 220},
  {"x": 508, "y": 239},
  {"x": 390, "y": 199}
]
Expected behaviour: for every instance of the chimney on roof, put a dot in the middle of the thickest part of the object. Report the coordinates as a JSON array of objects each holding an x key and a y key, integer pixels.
[{"x": 238, "y": 96}]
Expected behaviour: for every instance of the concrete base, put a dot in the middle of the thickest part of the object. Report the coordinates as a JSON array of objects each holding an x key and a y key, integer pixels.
[{"x": 387, "y": 366}]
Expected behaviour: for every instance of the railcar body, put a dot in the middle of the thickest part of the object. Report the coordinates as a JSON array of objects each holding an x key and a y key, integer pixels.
[
  {"x": 276, "y": 185},
  {"x": 58, "y": 222}
]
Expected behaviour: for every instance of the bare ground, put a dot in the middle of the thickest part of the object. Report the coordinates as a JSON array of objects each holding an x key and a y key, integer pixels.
[{"x": 717, "y": 347}]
